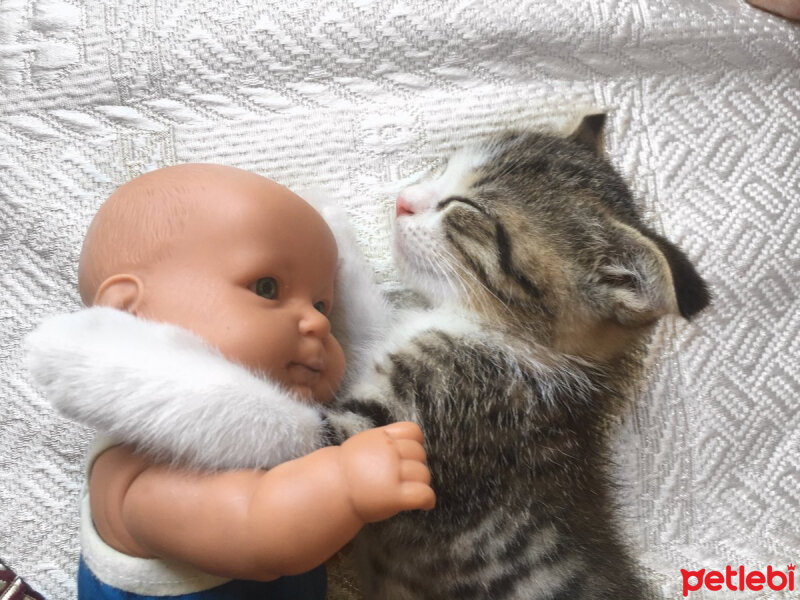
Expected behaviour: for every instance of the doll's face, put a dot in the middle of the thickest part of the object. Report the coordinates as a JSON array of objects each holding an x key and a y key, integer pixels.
[{"x": 253, "y": 275}]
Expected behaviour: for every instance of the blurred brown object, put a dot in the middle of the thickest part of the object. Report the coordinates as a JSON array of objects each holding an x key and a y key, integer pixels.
[
  {"x": 789, "y": 9},
  {"x": 13, "y": 587}
]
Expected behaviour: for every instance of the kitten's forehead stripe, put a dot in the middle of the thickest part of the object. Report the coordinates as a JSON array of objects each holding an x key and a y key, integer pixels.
[
  {"x": 505, "y": 250},
  {"x": 484, "y": 180}
]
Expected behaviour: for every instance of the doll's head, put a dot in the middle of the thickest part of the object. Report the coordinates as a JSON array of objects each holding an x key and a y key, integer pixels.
[{"x": 235, "y": 258}]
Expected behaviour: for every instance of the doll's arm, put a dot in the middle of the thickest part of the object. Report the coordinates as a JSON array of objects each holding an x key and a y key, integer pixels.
[{"x": 256, "y": 524}]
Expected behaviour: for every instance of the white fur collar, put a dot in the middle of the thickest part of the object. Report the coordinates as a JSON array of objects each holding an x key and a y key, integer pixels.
[
  {"x": 360, "y": 319},
  {"x": 163, "y": 389}
]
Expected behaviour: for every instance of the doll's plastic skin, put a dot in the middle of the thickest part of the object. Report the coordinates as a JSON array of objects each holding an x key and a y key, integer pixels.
[{"x": 249, "y": 266}]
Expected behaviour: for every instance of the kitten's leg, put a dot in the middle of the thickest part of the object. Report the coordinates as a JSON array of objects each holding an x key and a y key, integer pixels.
[
  {"x": 340, "y": 424},
  {"x": 371, "y": 403}
]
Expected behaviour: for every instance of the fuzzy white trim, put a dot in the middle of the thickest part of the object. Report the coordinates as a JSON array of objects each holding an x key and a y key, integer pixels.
[
  {"x": 361, "y": 317},
  {"x": 141, "y": 576},
  {"x": 163, "y": 389},
  {"x": 147, "y": 576}
]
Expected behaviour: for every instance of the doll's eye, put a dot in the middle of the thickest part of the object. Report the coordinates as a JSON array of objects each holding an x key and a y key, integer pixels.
[
  {"x": 266, "y": 287},
  {"x": 320, "y": 306}
]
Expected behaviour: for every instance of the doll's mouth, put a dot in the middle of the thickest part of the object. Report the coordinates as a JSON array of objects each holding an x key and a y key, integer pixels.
[
  {"x": 304, "y": 373},
  {"x": 315, "y": 364}
]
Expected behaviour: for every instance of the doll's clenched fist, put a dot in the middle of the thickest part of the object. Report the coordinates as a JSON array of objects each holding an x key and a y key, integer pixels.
[{"x": 386, "y": 472}]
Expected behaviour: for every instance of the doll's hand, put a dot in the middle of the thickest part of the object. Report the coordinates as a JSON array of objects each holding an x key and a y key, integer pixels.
[{"x": 386, "y": 472}]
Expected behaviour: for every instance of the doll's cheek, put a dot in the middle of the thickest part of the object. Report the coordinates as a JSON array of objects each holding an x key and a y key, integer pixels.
[{"x": 337, "y": 363}]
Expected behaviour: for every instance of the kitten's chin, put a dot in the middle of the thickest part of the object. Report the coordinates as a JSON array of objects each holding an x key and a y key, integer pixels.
[
  {"x": 429, "y": 285},
  {"x": 426, "y": 284}
]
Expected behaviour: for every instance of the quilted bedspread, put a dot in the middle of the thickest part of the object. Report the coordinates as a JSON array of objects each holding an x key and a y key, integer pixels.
[{"x": 358, "y": 97}]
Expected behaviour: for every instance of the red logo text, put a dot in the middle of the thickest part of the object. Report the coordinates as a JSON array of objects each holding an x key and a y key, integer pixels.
[{"x": 738, "y": 579}]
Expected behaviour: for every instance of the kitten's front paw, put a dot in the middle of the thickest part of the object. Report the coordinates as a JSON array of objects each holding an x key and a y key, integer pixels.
[{"x": 343, "y": 424}]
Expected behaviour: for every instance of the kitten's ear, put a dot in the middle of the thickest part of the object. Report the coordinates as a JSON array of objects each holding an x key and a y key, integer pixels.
[
  {"x": 691, "y": 290},
  {"x": 589, "y": 133},
  {"x": 650, "y": 278}
]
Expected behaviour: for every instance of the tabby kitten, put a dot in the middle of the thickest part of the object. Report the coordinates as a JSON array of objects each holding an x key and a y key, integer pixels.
[{"x": 544, "y": 285}]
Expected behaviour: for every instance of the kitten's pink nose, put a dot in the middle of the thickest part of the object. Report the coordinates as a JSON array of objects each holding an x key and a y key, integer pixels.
[{"x": 403, "y": 207}]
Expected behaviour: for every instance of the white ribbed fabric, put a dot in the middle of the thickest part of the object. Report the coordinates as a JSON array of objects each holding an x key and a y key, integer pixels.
[{"x": 357, "y": 97}]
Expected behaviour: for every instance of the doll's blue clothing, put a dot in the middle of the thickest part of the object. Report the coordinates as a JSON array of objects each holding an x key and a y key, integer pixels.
[{"x": 307, "y": 586}]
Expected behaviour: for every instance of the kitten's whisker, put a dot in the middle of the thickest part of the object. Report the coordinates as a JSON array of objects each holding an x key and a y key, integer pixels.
[{"x": 452, "y": 263}]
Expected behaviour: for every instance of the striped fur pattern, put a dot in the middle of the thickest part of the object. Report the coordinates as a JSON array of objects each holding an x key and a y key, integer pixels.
[{"x": 543, "y": 284}]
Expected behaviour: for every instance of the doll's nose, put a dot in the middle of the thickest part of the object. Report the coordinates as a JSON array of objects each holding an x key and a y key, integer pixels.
[{"x": 313, "y": 322}]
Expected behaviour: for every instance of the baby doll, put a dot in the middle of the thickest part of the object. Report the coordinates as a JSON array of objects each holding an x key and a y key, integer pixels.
[{"x": 218, "y": 285}]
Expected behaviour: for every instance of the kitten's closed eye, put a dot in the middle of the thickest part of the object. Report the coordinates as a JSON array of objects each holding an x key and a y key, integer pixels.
[{"x": 460, "y": 199}]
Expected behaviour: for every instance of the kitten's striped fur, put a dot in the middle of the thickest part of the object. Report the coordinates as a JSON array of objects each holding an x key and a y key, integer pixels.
[{"x": 544, "y": 285}]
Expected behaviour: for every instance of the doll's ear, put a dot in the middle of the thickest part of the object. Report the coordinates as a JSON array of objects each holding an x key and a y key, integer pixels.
[{"x": 123, "y": 292}]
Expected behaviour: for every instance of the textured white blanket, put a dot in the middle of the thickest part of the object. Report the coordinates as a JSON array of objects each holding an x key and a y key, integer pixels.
[{"x": 357, "y": 97}]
